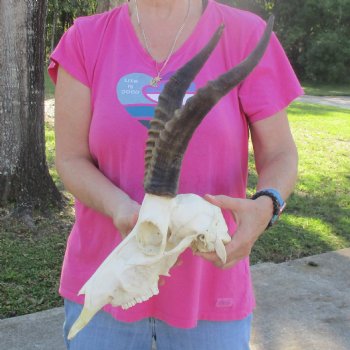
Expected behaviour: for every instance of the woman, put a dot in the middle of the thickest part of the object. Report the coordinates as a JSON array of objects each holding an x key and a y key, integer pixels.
[{"x": 109, "y": 70}]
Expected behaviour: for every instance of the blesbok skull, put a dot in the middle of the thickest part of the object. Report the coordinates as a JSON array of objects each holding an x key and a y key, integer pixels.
[{"x": 168, "y": 223}]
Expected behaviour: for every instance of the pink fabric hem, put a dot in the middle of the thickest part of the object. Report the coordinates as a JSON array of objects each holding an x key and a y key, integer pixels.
[
  {"x": 275, "y": 108},
  {"x": 169, "y": 319},
  {"x": 57, "y": 61}
]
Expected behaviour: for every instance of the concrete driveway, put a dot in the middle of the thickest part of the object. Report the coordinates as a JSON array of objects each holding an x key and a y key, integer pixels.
[
  {"x": 301, "y": 304},
  {"x": 339, "y": 101}
]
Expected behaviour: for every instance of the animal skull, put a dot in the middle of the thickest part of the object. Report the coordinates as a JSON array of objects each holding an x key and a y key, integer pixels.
[{"x": 165, "y": 228}]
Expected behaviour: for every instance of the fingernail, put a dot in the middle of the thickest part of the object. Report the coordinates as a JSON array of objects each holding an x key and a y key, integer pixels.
[{"x": 179, "y": 263}]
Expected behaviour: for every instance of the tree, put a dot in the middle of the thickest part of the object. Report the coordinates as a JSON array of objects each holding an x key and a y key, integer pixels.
[
  {"x": 260, "y": 7},
  {"x": 105, "y": 5},
  {"x": 24, "y": 176},
  {"x": 314, "y": 33},
  {"x": 60, "y": 16}
]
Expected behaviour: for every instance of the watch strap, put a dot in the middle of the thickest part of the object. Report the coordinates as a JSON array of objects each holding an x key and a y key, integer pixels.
[{"x": 277, "y": 201}]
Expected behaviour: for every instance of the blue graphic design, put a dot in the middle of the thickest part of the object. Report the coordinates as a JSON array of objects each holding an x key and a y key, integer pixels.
[
  {"x": 139, "y": 98},
  {"x": 140, "y": 111}
]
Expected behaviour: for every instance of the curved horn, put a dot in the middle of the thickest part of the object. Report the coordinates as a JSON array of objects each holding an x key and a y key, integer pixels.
[
  {"x": 174, "y": 91},
  {"x": 165, "y": 164}
]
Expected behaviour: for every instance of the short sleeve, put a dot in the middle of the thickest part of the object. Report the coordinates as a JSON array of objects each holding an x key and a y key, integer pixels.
[
  {"x": 69, "y": 53},
  {"x": 272, "y": 85}
]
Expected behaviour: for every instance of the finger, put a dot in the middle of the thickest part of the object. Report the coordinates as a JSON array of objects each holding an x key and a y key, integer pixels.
[
  {"x": 211, "y": 257},
  {"x": 224, "y": 202},
  {"x": 178, "y": 262},
  {"x": 230, "y": 264},
  {"x": 217, "y": 262},
  {"x": 134, "y": 219},
  {"x": 212, "y": 199}
]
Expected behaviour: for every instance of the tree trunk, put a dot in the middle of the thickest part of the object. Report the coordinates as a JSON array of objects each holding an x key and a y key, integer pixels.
[
  {"x": 106, "y": 5},
  {"x": 24, "y": 175},
  {"x": 54, "y": 25}
]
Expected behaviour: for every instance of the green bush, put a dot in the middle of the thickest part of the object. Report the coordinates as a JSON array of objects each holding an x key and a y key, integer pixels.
[
  {"x": 316, "y": 36},
  {"x": 314, "y": 33},
  {"x": 328, "y": 58}
]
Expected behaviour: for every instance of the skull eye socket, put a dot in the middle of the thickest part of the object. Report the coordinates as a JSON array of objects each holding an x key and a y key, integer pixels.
[
  {"x": 201, "y": 237},
  {"x": 149, "y": 238}
]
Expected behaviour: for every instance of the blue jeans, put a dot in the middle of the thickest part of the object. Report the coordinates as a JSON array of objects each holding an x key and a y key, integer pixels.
[{"x": 106, "y": 333}]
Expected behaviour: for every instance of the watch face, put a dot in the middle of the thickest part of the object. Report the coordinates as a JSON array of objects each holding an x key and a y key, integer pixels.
[{"x": 277, "y": 195}]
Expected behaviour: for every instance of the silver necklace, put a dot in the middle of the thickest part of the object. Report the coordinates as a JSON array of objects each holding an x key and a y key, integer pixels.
[{"x": 156, "y": 80}]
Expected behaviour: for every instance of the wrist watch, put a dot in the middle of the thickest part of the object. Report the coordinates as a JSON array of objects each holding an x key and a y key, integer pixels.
[{"x": 277, "y": 201}]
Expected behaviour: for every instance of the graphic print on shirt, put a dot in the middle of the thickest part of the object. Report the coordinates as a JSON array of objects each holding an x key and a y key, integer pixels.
[{"x": 139, "y": 98}]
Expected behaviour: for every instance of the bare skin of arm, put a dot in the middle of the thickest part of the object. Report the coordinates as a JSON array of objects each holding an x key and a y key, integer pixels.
[
  {"x": 74, "y": 162},
  {"x": 276, "y": 160}
]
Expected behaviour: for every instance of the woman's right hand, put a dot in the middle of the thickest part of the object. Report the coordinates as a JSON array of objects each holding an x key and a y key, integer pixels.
[{"x": 126, "y": 217}]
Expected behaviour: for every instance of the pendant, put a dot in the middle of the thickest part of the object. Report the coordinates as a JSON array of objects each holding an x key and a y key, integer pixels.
[{"x": 155, "y": 81}]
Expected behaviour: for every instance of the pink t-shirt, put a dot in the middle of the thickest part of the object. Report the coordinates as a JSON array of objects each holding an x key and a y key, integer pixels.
[{"x": 103, "y": 53}]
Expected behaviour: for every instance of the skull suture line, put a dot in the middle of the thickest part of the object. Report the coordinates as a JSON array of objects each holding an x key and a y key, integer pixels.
[{"x": 168, "y": 223}]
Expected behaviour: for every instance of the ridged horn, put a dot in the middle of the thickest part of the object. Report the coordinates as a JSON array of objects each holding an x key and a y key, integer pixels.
[
  {"x": 164, "y": 166},
  {"x": 174, "y": 91}
]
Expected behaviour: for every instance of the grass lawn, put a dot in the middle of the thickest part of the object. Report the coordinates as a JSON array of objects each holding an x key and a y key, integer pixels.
[
  {"x": 316, "y": 89},
  {"x": 317, "y": 218}
]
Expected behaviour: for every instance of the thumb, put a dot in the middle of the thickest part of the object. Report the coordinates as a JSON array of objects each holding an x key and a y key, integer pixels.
[
  {"x": 134, "y": 219},
  {"x": 224, "y": 202}
]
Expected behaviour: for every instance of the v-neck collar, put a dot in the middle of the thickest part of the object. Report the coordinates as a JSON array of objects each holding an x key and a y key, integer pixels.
[{"x": 146, "y": 57}]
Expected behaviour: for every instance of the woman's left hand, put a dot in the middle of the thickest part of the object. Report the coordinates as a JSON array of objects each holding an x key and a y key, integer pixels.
[{"x": 252, "y": 218}]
